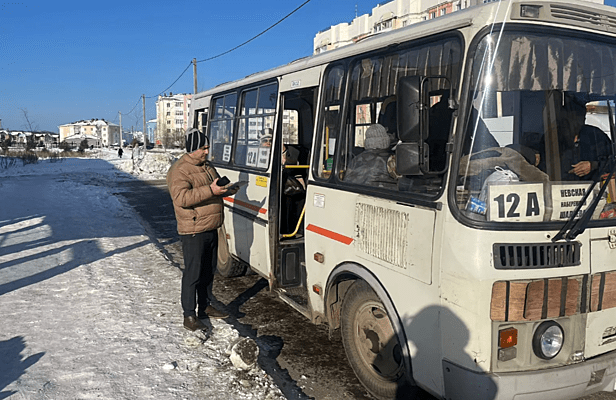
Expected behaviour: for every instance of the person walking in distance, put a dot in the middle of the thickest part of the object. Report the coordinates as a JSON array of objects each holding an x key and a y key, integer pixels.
[{"x": 198, "y": 206}]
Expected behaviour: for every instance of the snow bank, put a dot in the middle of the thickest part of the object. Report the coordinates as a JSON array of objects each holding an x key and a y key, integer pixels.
[{"x": 148, "y": 165}]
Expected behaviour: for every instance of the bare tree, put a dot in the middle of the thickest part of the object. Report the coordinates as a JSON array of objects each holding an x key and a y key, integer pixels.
[{"x": 30, "y": 125}]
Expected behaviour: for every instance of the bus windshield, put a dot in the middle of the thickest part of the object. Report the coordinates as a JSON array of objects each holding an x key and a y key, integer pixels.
[{"x": 538, "y": 135}]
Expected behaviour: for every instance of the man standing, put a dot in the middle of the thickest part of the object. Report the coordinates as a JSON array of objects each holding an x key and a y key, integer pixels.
[{"x": 198, "y": 206}]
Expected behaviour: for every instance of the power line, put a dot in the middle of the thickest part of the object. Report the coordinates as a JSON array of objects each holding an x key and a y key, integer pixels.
[
  {"x": 174, "y": 82},
  {"x": 254, "y": 37}
]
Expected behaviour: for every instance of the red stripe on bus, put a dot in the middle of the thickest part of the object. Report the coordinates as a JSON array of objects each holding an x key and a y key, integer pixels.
[
  {"x": 329, "y": 234},
  {"x": 246, "y": 205}
]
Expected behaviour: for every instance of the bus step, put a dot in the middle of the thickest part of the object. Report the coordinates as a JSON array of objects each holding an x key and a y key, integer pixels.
[{"x": 297, "y": 298}]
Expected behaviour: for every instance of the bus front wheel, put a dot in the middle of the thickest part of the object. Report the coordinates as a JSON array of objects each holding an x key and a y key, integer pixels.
[
  {"x": 371, "y": 344},
  {"x": 226, "y": 265}
]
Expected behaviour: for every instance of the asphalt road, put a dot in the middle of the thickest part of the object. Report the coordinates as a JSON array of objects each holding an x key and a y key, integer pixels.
[{"x": 314, "y": 364}]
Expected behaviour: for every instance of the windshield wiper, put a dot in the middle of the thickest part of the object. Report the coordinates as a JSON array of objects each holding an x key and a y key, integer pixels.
[
  {"x": 579, "y": 226},
  {"x": 572, "y": 221}
]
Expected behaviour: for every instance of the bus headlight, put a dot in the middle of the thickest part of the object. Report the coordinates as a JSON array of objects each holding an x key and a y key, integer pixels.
[{"x": 548, "y": 340}]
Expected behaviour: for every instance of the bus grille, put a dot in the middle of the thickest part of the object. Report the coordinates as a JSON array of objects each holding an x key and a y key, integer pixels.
[
  {"x": 538, "y": 255},
  {"x": 536, "y": 299},
  {"x": 382, "y": 233}
]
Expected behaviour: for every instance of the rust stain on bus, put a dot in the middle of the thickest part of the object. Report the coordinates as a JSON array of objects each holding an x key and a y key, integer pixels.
[{"x": 329, "y": 234}]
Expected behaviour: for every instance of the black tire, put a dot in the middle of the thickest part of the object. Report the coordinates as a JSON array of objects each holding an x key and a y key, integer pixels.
[
  {"x": 226, "y": 265},
  {"x": 371, "y": 344}
]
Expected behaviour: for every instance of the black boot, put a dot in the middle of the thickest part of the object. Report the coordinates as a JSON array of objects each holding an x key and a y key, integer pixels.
[{"x": 192, "y": 323}]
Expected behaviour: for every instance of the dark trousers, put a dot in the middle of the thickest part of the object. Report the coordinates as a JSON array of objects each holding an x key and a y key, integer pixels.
[{"x": 200, "y": 257}]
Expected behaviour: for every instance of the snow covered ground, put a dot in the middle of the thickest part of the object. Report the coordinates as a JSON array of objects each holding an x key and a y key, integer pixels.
[{"x": 89, "y": 306}]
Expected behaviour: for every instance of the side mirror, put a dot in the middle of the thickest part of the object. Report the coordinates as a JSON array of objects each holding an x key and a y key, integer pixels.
[{"x": 409, "y": 106}]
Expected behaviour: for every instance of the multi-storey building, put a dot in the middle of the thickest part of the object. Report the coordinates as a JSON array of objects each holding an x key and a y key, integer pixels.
[
  {"x": 389, "y": 15},
  {"x": 171, "y": 116},
  {"x": 108, "y": 133}
]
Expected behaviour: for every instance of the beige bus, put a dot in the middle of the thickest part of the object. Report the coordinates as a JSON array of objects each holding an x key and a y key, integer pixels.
[{"x": 455, "y": 217}]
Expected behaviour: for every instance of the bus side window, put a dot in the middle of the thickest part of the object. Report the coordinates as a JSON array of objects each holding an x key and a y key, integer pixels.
[
  {"x": 328, "y": 145},
  {"x": 367, "y": 142},
  {"x": 256, "y": 123},
  {"x": 221, "y": 130},
  {"x": 330, "y": 122}
]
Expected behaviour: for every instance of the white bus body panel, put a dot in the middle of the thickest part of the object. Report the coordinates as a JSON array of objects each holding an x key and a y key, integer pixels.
[
  {"x": 364, "y": 233},
  {"x": 301, "y": 79},
  {"x": 601, "y": 325},
  {"x": 246, "y": 215}
]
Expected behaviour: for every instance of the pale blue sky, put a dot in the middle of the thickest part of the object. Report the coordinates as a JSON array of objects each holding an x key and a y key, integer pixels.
[{"x": 70, "y": 60}]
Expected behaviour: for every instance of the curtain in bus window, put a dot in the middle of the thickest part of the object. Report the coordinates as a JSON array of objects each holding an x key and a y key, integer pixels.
[
  {"x": 334, "y": 84},
  {"x": 537, "y": 62},
  {"x": 378, "y": 76}
]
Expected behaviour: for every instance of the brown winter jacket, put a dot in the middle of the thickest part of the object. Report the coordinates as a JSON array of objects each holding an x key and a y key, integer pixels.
[{"x": 197, "y": 209}]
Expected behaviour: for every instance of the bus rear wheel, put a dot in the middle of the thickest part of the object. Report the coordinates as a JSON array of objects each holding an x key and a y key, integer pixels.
[
  {"x": 371, "y": 344},
  {"x": 226, "y": 265}
]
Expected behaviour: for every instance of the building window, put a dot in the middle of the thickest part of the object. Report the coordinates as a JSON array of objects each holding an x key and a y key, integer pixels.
[
  {"x": 443, "y": 11},
  {"x": 432, "y": 14}
]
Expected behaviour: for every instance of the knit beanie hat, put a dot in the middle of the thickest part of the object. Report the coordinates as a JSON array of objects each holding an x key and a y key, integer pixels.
[
  {"x": 195, "y": 139},
  {"x": 376, "y": 137}
]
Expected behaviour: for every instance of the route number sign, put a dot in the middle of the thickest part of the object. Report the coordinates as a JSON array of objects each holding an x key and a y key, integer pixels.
[{"x": 516, "y": 202}]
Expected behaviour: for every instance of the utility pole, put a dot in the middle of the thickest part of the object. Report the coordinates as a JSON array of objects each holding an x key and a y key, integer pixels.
[
  {"x": 121, "y": 140},
  {"x": 145, "y": 140},
  {"x": 195, "y": 73}
]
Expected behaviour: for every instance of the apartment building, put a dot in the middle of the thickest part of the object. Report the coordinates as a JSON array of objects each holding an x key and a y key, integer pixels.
[
  {"x": 171, "y": 115},
  {"x": 107, "y": 132},
  {"x": 390, "y": 15}
]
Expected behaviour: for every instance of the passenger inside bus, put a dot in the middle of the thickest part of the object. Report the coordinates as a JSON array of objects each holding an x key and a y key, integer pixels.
[
  {"x": 265, "y": 140},
  {"x": 370, "y": 166},
  {"x": 440, "y": 122},
  {"x": 583, "y": 147}
]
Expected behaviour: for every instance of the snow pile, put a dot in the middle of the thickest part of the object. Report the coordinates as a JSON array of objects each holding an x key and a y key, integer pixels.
[
  {"x": 244, "y": 354},
  {"x": 148, "y": 165}
]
